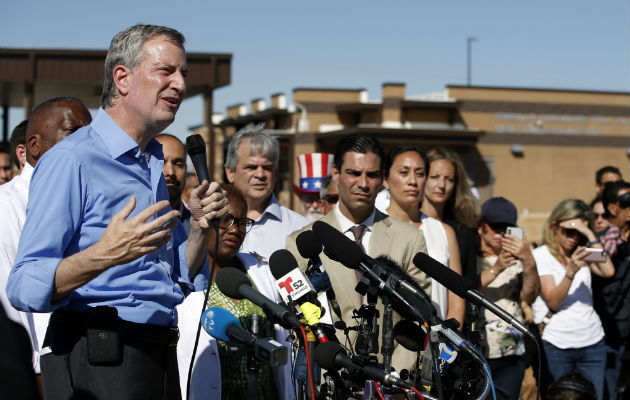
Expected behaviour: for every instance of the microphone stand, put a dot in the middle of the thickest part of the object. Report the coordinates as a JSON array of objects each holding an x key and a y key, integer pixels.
[{"x": 387, "y": 345}]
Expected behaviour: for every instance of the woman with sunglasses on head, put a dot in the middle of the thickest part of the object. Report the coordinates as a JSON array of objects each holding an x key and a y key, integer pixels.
[
  {"x": 405, "y": 170},
  {"x": 220, "y": 371},
  {"x": 572, "y": 334}
]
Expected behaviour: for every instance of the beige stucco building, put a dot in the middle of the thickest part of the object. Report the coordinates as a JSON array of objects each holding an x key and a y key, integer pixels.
[{"x": 535, "y": 147}]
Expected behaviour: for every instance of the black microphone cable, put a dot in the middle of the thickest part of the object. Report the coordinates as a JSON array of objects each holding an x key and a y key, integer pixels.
[{"x": 196, "y": 147}]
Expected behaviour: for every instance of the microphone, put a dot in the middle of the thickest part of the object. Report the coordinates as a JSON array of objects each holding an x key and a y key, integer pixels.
[
  {"x": 409, "y": 335},
  {"x": 465, "y": 289},
  {"x": 294, "y": 286},
  {"x": 223, "y": 325},
  {"x": 332, "y": 356},
  {"x": 390, "y": 280},
  {"x": 196, "y": 148},
  {"x": 291, "y": 282},
  {"x": 309, "y": 247},
  {"x": 235, "y": 284}
]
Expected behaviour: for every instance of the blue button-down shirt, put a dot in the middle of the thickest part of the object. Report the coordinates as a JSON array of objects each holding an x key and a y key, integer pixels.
[{"x": 77, "y": 187}]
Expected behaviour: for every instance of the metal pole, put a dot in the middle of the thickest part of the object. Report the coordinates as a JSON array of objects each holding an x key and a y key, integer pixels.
[{"x": 468, "y": 57}]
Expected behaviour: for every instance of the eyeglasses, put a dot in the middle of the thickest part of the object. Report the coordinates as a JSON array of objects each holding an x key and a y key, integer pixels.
[
  {"x": 243, "y": 224},
  {"x": 598, "y": 215},
  {"x": 569, "y": 232},
  {"x": 624, "y": 200},
  {"x": 332, "y": 198},
  {"x": 498, "y": 227}
]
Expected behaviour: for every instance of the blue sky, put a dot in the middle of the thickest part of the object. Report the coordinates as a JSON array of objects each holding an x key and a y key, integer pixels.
[{"x": 280, "y": 45}]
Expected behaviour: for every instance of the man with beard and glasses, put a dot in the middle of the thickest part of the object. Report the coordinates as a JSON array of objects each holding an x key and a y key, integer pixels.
[{"x": 313, "y": 168}]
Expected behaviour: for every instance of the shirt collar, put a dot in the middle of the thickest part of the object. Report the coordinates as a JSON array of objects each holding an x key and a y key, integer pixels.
[
  {"x": 27, "y": 171},
  {"x": 345, "y": 224},
  {"x": 118, "y": 142},
  {"x": 273, "y": 208}
]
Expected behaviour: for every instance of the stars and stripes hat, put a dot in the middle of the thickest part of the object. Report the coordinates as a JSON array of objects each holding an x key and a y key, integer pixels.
[{"x": 313, "y": 168}]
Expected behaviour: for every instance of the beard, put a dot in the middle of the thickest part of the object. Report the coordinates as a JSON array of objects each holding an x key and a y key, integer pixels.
[
  {"x": 313, "y": 213},
  {"x": 174, "y": 193}
]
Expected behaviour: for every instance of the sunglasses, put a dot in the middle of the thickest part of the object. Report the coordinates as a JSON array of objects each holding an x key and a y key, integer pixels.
[
  {"x": 568, "y": 232},
  {"x": 243, "y": 224},
  {"x": 598, "y": 215},
  {"x": 498, "y": 227},
  {"x": 624, "y": 200},
  {"x": 332, "y": 198}
]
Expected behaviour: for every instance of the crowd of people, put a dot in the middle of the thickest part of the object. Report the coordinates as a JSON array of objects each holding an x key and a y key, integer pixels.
[{"x": 110, "y": 248}]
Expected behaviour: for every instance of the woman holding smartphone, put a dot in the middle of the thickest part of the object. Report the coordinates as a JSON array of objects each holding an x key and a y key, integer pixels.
[
  {"x": 508, "y": 277},
  {"x": 572, "y": 334}
]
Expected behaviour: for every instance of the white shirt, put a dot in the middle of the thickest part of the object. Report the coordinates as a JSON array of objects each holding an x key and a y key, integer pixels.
[
  {"x": 13, "y": 200},
  {"x": 271, "y": 229},
  {"x": 205, "y": 382},
  {"x": 575, "y": 324},
  {"x": 437, "y": 248}
]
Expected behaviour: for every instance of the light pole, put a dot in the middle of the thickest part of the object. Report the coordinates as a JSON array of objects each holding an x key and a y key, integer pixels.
[{"x": 469, "y": 56}]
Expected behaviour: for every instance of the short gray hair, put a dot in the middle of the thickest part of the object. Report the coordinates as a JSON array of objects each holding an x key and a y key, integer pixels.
[
  {"x": 260, "y": 142},
  {"x": 126, "y": 49}
]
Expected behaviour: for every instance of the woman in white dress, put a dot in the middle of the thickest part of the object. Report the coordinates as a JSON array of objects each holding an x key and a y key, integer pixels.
[{"x": 405, "y": 176}]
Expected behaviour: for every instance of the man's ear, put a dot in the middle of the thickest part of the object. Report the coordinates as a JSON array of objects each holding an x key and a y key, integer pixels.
[
  {"x": 20, "y": 153},
  {"x": 335, "y": 174},
  {"x": 229, "y": 174},
  {"x": 122, "y": 75},
  {"x": 612, "y": 209},
  {"x": 385, "y": 184},
  {"x": 32, "y": 142}
]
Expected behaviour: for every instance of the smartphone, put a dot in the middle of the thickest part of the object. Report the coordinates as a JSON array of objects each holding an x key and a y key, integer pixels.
[
  {"x": 515, "y": 231},
  {"x": 594, "y": 255}
]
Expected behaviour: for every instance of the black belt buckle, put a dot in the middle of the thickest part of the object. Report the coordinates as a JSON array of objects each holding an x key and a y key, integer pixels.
[{"x": 103, "y": 337}]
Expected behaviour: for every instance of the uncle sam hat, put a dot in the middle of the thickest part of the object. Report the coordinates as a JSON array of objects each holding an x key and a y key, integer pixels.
[{"x": 313, "y": 168}]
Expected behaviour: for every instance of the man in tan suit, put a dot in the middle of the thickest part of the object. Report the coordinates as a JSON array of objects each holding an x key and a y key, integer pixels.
[{"x": 357, "y": 171}]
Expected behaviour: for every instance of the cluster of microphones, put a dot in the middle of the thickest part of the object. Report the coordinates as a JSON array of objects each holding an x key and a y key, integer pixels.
[{"x": 304, "y": 308}]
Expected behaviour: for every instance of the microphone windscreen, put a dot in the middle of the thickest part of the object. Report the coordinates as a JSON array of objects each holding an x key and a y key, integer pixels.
[
  {"x": 281, "y": 263},
  {"x": 195, "y": 145},
  {"x": 229, "y": 280},
  {"x": 409, "y": 335},
  {"x": 215, "y": 321},
  {"x": 337, "y": 246},
  {"x": 446, "y": 276},
  {"x": 325, "y": 354},
  {"x": 308, "y": 245}
]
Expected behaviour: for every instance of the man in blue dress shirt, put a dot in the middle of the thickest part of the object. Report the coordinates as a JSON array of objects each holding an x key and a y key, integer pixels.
[{"x": 97, "y": 249}]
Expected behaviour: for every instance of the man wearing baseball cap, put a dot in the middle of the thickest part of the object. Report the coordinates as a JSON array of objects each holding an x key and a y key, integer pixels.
[{"x": 507, "y": 276}]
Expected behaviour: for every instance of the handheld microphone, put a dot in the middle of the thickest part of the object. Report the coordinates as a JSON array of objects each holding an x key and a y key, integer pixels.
[
  {"x": 465, "y": 289},
  {"x": 196, "y": 148},
  {"x": 223, "y": 325},
  {"x": 332, "y": 356},
  {"x": 235, "y": 284}
]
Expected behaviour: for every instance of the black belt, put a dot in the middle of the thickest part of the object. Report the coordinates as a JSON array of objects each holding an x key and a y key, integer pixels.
[{"x": 106, "y": 318}]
